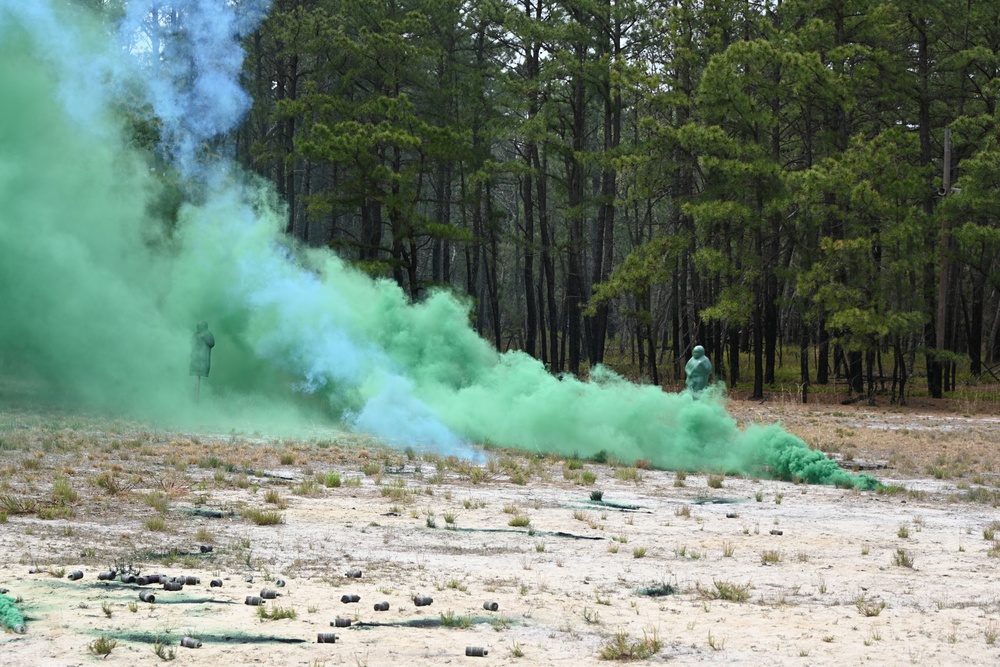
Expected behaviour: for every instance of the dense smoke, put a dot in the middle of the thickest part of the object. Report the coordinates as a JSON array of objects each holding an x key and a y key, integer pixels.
[{"x": 100, "y": 290}]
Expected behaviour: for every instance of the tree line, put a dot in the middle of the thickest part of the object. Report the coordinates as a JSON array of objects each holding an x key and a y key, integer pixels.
[{"x": 634, "y": 177}]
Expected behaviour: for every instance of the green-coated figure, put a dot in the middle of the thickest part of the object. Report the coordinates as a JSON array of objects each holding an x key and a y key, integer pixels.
[
  {"x": 201, "y": 355},
  {"x": 698, "y": 369}
]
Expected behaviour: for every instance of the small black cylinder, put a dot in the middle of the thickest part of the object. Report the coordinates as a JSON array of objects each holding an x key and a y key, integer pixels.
[
  {"x": 253, "y": 601},
  {"x": 476, "y": 651},
  {"x": 216, "y": 583},
  {"x": 268, "y": 593},
  {"x": 106, "y": 576},
  {"x": 173, "y": 586},
  {"x": 490, "y": 606},
  {"x": 191, "y": 581},
  {"x": 350, "y": 598},
  {"x": 190, "y": 642},
  {"x": 381, "y": 606},
  {"x": 205, "y": 548},
  {"x": 341, "y": 623},
  {"x": 73, "y": 576},
  {"x": 353, "y": 574},
  {"x": 326, "y": 638},
  {"x": 422, "y": 600},
  {"x": 147, "y": 596}
]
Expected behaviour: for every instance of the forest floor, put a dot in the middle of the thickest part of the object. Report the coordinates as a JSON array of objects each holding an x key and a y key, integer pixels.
[{"x": 688, "y": 568}]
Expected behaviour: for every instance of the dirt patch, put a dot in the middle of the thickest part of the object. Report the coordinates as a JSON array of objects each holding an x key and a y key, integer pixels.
[{"x": 754, "y": 572}]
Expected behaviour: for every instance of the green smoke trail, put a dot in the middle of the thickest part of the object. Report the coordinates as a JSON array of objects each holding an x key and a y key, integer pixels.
[
  {"x": 10, "y": 616},
  {"x": 100, "y": 296}
]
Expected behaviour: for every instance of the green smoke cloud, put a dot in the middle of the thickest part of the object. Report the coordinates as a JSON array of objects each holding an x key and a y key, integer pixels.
[{"x": 99, "y": 297}]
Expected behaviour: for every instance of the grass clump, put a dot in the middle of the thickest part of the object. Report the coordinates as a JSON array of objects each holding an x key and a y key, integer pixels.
[
  {"x": 14, "y": 504},
  {"x": 308, "y": 488},
  {"x": 715, "y": 481},
  {"x": 902, "y": 558},
  {"x": 114, "y": 483},
  {"x": 264, "y": 517},
  {"x": 102, "y": 645},
  {"x": 331, "y": 480},
  {"x": 155, "y": 524},
  {"x": 622, "y": 647},
  {"x": 990, "y": 531},
  {"x": 158, "y": 500},
  {"x": 628, "y": 474},
  {"x": 868, "y": 607},
  {"x": 519, "y": 521},
  {"x": 163, "y": 651},
  {"x": 770, "y": 557},
  {"x": 63, "y": 492},
  {"x": 274, "y": 498},
  {"x": 726, "y": 590},
  {"x": 275, "y": 613}
]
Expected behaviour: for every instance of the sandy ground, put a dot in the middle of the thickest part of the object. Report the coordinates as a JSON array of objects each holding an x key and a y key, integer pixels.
[{"x": 816, "y": 564}]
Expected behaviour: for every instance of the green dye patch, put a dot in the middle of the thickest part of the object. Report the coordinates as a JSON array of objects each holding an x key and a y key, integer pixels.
[
  {"x": 163, "y": 599},
  {"x": 615, "y": 506},
  {"x": 537, "y": 533},
  {"x": 173, "y": 554},
  {"x": 716, "y": 501},
  {"x": 657, "y": 591},
  {"x": 207, "y": 513},
  {"x": 211, "y": 638},
  {"x": 424, "y": 623},
  {"x": 10, "y": 615}
]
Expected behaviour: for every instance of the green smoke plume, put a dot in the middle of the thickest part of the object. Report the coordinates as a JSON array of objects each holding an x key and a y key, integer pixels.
[{"x": 99, "y": 295}]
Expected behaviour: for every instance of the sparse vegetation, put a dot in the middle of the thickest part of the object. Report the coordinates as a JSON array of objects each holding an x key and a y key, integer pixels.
[
  {"x": 770, "y": 557},
  {"x": 726, "y": 590},
  {"x": 275, "y": 613},
  {"x": 628, "y": 474},
  {"x": 868, "y": 607},
  {"x": 102, "y": 646},
  {"x": 164, "y": 651},
  {"x": 990, "y": 531},
  {"x": 264, "y": 517},
  {"x": 155, "y": 523},
  {"x": 902, "y": 558},
  {"x": 622, "y": 647}
]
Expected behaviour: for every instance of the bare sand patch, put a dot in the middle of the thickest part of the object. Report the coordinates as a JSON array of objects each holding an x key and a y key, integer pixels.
[{"x": 825, "y": 575}]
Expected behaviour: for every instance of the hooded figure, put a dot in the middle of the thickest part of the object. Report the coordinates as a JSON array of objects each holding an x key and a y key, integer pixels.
[
  {"x": 201, "y": 350},
  {"x": 698, "y": 369}
]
